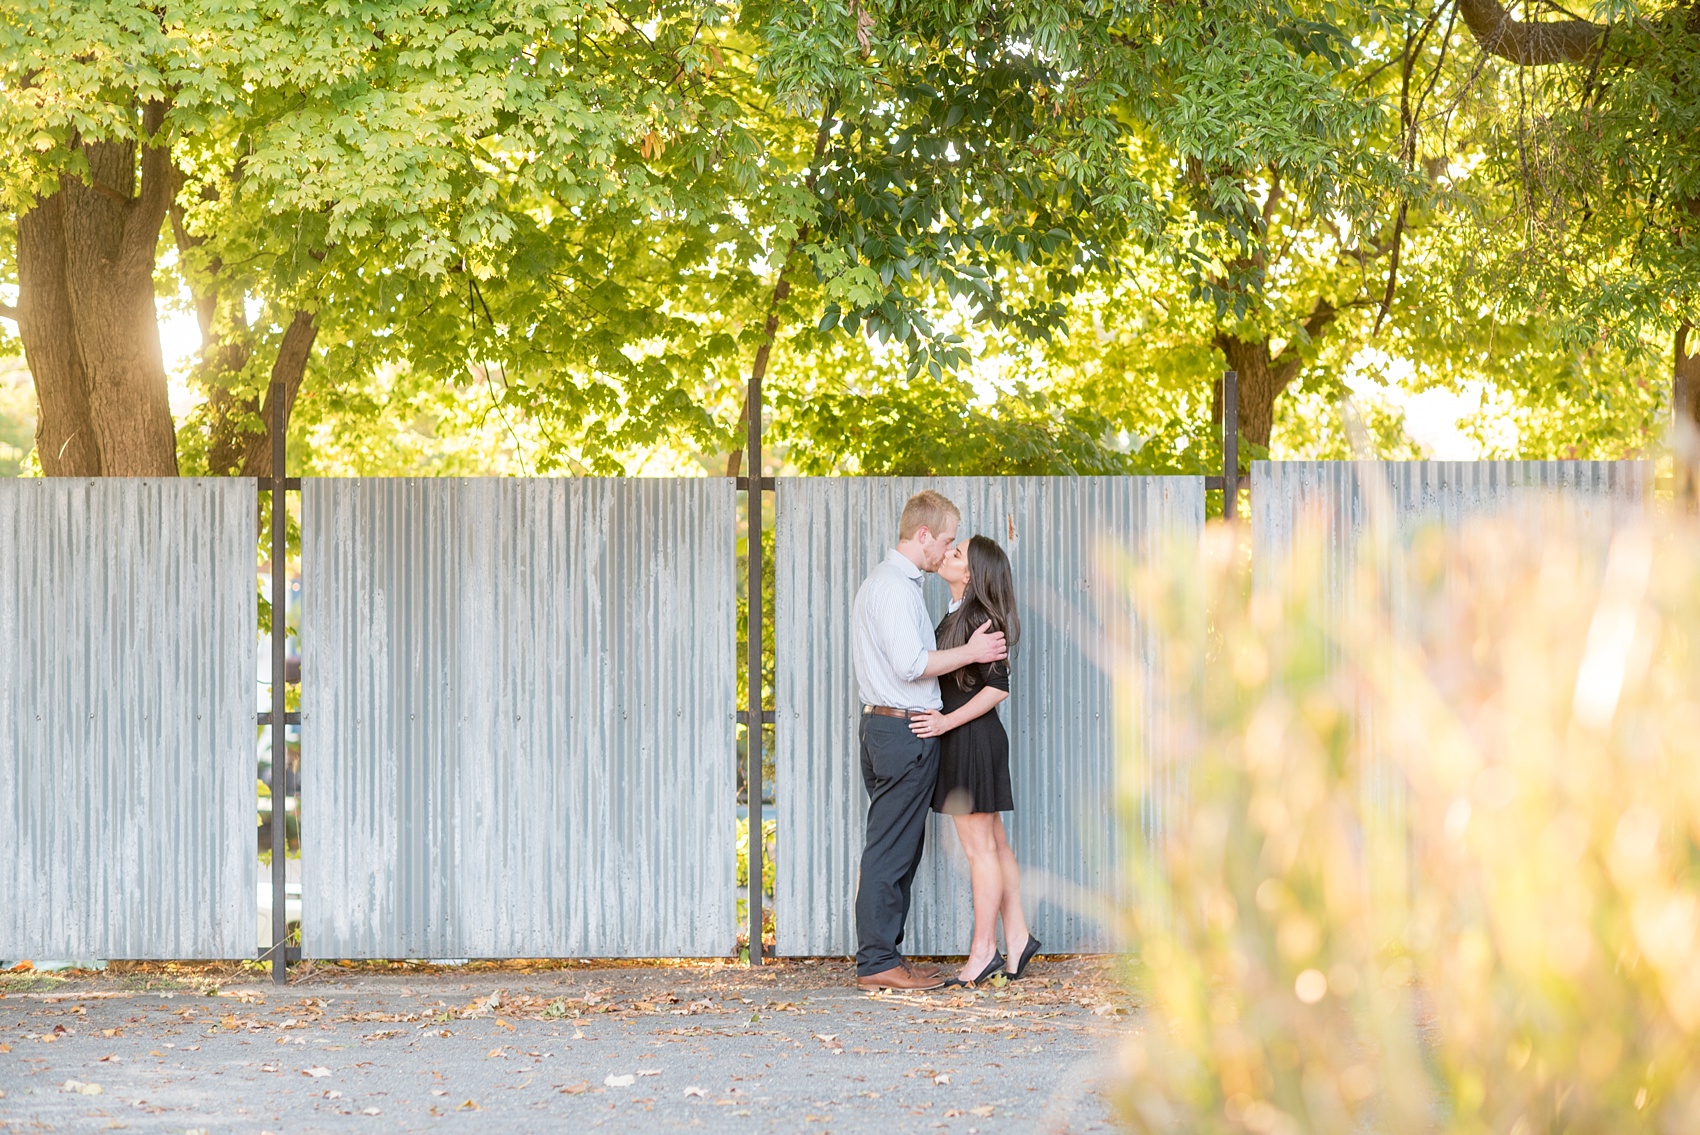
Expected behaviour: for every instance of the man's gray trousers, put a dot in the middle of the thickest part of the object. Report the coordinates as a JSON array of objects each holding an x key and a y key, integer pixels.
[{"x": 898, "y": 770}]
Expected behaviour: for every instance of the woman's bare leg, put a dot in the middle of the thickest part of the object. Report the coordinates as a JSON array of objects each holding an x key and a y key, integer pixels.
[
  {"x": 1009, "y": 874},
  {"x": 979, "y": 844}
]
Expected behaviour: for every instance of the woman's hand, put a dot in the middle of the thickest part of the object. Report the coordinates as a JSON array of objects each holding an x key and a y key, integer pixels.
[{"x": 929, "y": 724}]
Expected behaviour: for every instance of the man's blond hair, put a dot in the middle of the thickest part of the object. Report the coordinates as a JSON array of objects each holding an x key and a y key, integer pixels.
[{"x": 928, "y": 510}]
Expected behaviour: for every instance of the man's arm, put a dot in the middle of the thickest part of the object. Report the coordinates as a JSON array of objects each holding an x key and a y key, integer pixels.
[
  {"x": 894, "y": 637},
  {"x": 984, "y": 645}
]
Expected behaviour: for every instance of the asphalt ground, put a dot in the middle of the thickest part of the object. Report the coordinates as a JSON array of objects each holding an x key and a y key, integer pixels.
[{"x": 509, "y": 1047}]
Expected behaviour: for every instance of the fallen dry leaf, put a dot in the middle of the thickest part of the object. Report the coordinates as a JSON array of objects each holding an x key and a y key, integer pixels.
[
  {"x": 984, "y": 1112},
  {"x": 614, "y": 1081},
  {"x": 649, "y": 1071},
  {"x": 371, "y": 1111},
  {"x": 942, "y": 1078},
  {"x": 575, "y": 1089},
  {"x": 316, "y": 1070},
  {"x": 333, "y": 1094},
  {"x": 5, "y": 1047},
  {"x": 82, "y": 1088},
  {"x": 439, "y": 1091},
  {"x": 826, "y": 1038},
  {"x": 469, "y": 1105},
  {"x": 694, "y": 1090},
  {"x": 503, "y": 1024}
]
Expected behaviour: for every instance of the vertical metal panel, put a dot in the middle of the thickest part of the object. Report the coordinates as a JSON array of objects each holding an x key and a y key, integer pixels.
[
  {"x": 517, "y": 727},
  {"x": 1346, "y": 496},
  {"x": 829, "y": 533},
  {"x": 127, "y": 624},
  {"x": 1381, "y": 506},
  {"x": 1360, "y": 520}
]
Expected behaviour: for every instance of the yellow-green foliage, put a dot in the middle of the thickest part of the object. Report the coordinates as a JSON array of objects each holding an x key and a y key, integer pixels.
[{"x": 1438, "y": 866}]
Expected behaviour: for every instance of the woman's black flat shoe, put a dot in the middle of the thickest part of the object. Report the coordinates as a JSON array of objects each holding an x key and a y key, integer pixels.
[
  {"x": 990, "y": 971},
  {"x": 1027, "y": 953}
]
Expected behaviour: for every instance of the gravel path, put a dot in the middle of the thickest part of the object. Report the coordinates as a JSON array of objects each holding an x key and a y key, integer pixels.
[{"x": 792, "y": 1047}]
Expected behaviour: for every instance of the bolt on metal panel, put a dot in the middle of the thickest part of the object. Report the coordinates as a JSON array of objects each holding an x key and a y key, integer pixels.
[
  {"x": 128, "y": 615},
  {"x": 517, "y": 727},
  {"x": 830, "y": 532}
]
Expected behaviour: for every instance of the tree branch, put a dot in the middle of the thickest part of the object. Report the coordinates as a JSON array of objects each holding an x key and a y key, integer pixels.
[
  {"x": 1392, "y": 270},
  {"x": 7, "y": 311},
  {"x": 1320, "y": 316},
  {"x": 1286, "y": 364},
  {"x": 159, "y": 187},
  {"x": 1276, "y": 192},
  {"x": 290, "y": 368},
  {"x": 1530, "y": 44},
  {"x": 781, "y": 289}
]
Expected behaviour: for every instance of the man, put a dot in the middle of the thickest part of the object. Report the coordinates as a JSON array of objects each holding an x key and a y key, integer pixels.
[{"x": 897, "y": 669}]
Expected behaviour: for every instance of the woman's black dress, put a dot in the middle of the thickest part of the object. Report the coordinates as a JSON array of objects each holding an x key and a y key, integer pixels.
[{"x": 974, "y": 758}]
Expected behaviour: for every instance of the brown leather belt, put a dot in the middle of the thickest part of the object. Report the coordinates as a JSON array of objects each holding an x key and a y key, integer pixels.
[{"x": 887, "y": 711}]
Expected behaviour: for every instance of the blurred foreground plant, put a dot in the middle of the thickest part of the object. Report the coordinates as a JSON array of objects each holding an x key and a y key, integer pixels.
[{"x": 1437, "y": 863}]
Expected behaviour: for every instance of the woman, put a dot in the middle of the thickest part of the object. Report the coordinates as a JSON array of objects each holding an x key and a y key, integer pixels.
[{"x": 973, "y": 784}]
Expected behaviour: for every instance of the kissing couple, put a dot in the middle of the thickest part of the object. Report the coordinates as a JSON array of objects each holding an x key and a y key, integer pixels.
[{"x": 931, "y": 739}]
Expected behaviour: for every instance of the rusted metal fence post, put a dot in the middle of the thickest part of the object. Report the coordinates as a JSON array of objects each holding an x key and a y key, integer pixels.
[
  {"x": 279, "y": 714},
  {"x": 1229, "y": 481},
  {"x": 753, "y": 718},
  {"x": 1230, "y": 446}
]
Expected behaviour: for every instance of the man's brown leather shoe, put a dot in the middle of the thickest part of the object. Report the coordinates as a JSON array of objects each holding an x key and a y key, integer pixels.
[
  {"x": 899, "y": 977},
  {"x": 919, "y": 969}
]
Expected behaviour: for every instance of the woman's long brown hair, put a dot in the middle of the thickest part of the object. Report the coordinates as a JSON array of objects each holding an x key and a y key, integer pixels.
[{"x": 990, "y": 596}]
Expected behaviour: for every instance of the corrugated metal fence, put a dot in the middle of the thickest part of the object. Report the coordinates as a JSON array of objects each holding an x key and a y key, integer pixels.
[
  {"x": 517, "y": 718},
  {"x": 127, "y": 622},
  {"x": 829, "y": 533},
  {"x": 1351, "y": 499}
]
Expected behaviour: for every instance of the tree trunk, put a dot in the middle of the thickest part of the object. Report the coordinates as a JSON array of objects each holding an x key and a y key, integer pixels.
[
  {"x": 86, "y": 314},
  {"x": 1259, "y": 385},
  {"x": 1264, "y": 375},
  {"x": 64, "y": 431},
  {"x": 1685, "y": 403},
  {"x": 1685, "y": 414}
]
